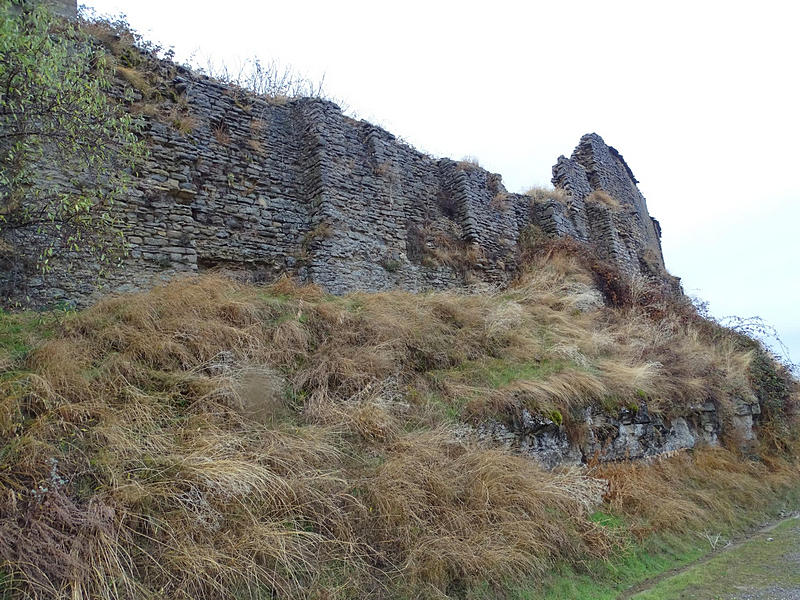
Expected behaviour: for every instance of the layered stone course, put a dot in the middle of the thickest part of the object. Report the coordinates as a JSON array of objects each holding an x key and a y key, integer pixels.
[{"x": 261, "y": 187}]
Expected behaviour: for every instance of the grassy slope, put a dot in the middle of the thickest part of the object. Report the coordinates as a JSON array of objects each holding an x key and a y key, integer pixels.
[
  {"x": 765, "y": 562},
  {"x": 212, "y": 440}
]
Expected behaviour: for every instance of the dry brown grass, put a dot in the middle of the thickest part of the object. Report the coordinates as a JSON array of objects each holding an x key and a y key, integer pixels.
[
  {"x": 500, "y": 201},
  {"x": 694, "y": 491},
  {"x": 119, "y": 41},
  {"x": 603, "y": 198},
  {"x": 255, "y": 145},
  {"x": 182, "y": 120},
  {"x": 436, "y": 247},
  {"x": 214, "y": 440},
  {"x": 445, "y": 511},
  {"x": 136, "y": 79},
  {"x": 184, "y": 474},
  {"x": 221, "y": 133},
  {"x": 457, "y": 254},
  {"x": 148, "y": 109},
  {"x": 542, "y": 194},
  {"x": 177, "y": 116},
  {"x": 257, "y": 126}
]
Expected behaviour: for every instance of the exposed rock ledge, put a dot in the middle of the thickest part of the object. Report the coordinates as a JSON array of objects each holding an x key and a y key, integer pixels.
[{"x": 633, "y": 433}]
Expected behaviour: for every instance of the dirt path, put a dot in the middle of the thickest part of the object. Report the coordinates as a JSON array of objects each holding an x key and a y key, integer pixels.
[{"x": 762, "y": 566}]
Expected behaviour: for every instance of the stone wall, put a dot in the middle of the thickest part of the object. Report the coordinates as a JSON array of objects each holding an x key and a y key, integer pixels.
[
  {"x": 262, "y": 187},
  {"x": 63, "y": 8}
]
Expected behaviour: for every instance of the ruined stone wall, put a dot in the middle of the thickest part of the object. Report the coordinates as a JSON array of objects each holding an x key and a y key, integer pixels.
[
  {"x": 622, "y": 231},
  {"x": 261, "y": 187}
]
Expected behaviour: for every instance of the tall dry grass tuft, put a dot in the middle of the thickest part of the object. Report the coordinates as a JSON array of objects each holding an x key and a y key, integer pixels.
[
  {"x": 603, "y": 198},
  {"x": 134, "y": 460},
  {"x": 443, "y": 511},
  {"x": 543, "y": 194},
  {"x": 705, "y": 489}
]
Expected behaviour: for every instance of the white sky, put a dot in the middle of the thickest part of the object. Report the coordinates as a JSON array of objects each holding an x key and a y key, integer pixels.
[{"x": 702, "y": 99}]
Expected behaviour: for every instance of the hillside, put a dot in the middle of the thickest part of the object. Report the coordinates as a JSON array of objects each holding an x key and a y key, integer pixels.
[
  {"x": 215, "y": 440},
  {"x": 537, "y": 415}
]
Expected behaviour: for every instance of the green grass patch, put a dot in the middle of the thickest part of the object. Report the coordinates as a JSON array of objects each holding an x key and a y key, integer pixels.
[
  {"x": 6, "y": 585},
  {"x": 17, "y": 332},
  {"x": 280, "y": 300},
  {"x": 20, "y": 332},
  {"x": 607, "y": 519},
  {"x": 450, "y": 410},
  {"x": 771, "y": 558},
  {"x": 498, "y": 373},
  {"x": 640, "y": 561},
  {"x": 605, "y": 580}
]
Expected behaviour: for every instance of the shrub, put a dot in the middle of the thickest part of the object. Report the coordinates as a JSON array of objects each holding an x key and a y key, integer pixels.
[
  {"x": 266, "y": 78},
  {"x": 61, "y": 107}
]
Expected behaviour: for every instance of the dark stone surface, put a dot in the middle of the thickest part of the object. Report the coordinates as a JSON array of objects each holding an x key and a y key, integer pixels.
[
  {"x": 65, "y": 8},
  {"x": 624, "y": 435}
]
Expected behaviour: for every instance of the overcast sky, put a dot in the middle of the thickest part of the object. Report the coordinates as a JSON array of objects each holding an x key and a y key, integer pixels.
[{"x": 702, "y": 99}]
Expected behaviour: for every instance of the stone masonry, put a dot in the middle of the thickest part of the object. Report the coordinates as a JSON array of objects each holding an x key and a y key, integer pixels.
[
  {"x": 260, "y": 187},
  {"x": 627, "y": 234}
]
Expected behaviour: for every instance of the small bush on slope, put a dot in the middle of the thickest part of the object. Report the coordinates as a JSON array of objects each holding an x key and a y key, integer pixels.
[{"x": 131, "y": 466}]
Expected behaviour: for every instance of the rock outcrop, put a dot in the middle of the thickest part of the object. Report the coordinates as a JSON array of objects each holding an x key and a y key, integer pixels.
[{"x": 626, "y": 434}]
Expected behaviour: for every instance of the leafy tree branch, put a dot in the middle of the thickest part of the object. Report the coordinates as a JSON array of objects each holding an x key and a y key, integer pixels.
[{"x": 67, "y": 145}]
